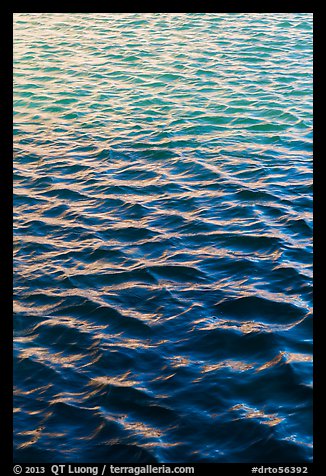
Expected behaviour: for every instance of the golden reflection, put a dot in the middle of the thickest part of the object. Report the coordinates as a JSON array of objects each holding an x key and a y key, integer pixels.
[
  {"x": 142, "y": 429},
  {"x": 95, "y": 433},
  {"x": 75, "y": 323},
  {"x": 232, "y": 364},
  {"x": 40, "y": 390},
  {"x": 286, "y": 358},
  {"x": 179, "y": 361},
  {"x": 36, "y": 435},
  {"x": 160, "y": 444},
  {"x": 69, "y": 397},
  {"x": 38, "y": 432},
  {"x": 277, "y": 359},
  {"x": 294, "y": 439},
  {"x": 58, "y": 358},
  {"x": 25, "y": 339},
  {"x": 247, "y": 327},
  {"x": 270, "y": 419},
  {"x": 130, "y": 343},
  {"x": 160, "y": 378},
  {"x": 297, "y": 357},
  {"x": 120, "y": 381}
]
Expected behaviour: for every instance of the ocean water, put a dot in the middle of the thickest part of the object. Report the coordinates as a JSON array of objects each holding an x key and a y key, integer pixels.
[{"x": 163, "y": 237}]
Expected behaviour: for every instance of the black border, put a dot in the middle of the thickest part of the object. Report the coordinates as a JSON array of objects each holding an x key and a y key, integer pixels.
[
  {"x": 6, "y": 276},
  {"x": 159, "y": 6}
]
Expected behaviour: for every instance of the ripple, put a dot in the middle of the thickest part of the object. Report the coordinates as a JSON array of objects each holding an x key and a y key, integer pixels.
[{"x": 163, "y": 237}]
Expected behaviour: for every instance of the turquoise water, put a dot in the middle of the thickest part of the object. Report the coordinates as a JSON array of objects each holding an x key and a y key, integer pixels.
[{"x": 163, "y": 237}]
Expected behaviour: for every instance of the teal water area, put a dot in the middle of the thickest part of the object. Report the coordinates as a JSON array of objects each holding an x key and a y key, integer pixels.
[{"x": 163, "y": 237}]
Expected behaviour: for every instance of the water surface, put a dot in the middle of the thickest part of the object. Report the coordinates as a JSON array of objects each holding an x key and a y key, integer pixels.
[{"x": 163, "y": 237}]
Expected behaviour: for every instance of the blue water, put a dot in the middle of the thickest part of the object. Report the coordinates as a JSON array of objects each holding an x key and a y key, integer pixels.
[{"x": 163, "y": 237}]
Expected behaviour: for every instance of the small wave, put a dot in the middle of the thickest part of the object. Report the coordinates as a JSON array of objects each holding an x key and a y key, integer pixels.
[{"x": 163, "y": 237}]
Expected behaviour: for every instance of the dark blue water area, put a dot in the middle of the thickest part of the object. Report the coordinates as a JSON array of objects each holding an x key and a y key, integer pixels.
[{"x": 163, "y": 238}]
